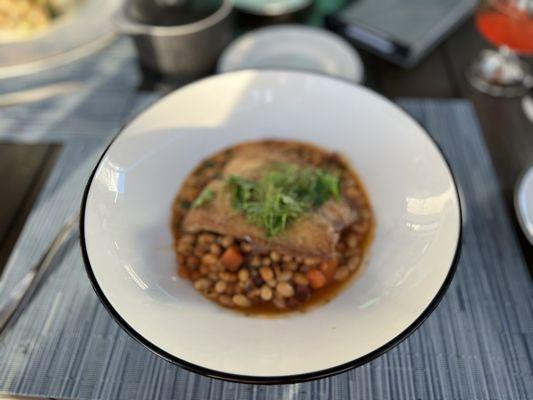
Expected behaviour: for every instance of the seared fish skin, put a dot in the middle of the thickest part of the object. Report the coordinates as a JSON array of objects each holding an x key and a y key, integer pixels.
[{"x": 315, "y": 234}]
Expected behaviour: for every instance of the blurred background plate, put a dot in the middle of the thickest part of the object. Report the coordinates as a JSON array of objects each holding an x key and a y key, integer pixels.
[
  {"x": 524, "y": 203},
  {"x": 294, "y": 47},
  {"x": 271, "y": 7},
  {"x": 83, "y": 27}
]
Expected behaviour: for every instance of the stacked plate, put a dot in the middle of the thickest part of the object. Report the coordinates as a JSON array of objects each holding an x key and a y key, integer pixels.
[
  {"x": 295, "y": 47},
  {"x": 271, "y": 8}
]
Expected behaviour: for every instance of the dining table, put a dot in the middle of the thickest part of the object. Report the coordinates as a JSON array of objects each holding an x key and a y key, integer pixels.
[{"x": 27, "y": 164}]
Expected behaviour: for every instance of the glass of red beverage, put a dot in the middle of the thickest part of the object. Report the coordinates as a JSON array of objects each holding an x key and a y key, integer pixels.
[{"x": 507, "y": 24}]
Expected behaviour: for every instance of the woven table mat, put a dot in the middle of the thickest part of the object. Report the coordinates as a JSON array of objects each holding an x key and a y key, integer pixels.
[{"x": 478, "y": 344}]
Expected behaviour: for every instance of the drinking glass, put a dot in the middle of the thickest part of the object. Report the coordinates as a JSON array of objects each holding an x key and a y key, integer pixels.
[{"x": 507, "y": 24}]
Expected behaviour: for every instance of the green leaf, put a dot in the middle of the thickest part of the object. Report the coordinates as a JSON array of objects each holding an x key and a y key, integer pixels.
[
  {"x": 282, "y": 195},
  {"x": 206, "y": 196}
]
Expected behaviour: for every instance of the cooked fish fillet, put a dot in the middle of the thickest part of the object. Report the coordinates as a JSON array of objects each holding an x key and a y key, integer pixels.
[{"x": 312, "y": 235}]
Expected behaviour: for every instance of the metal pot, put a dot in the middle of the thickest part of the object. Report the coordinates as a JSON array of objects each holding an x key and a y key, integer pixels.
[{"x": 184, "y": 49}]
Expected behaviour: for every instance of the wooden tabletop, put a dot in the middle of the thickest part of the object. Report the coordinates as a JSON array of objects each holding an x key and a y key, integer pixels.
[{"x": 508, "y": 133}]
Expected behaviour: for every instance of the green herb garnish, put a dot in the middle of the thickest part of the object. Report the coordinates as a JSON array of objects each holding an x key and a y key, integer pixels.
[
  {"x": 283, "y": 194},
  {"x": 206, "y": 196}
]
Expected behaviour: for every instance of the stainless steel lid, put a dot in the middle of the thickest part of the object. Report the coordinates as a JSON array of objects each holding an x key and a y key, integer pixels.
[{"x": 134, "y": 18}]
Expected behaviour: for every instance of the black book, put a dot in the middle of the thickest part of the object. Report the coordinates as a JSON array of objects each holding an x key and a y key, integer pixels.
[{"x": 401, "y": 31}]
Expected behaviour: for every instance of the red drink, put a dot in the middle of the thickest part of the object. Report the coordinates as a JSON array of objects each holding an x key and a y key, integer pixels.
[{"x": 504, "y": 24}]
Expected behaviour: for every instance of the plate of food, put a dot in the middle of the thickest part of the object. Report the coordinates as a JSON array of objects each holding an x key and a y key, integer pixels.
[
  {"x": 271, "y": 226},
  {"x": 36, "y": 35}
]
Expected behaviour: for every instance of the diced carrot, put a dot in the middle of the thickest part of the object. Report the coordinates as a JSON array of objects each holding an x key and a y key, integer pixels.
[
  {"x": 316, "y": 278},
  {"x": 183, "y": 272},
  {"x": 328, "y": 268},
  {"x": 232, "y": 258}
]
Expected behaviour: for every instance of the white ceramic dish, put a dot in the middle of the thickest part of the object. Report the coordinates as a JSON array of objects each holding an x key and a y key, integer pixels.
[
  {"x": 127, "y": 243},
  {"x": 271, "y": 8},
  {"x": 84, "y": 30},
  {"x": 294, "y": 47}
]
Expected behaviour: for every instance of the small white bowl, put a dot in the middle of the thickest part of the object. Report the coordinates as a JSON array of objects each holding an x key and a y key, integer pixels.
[{"x": 127, "y": 243}]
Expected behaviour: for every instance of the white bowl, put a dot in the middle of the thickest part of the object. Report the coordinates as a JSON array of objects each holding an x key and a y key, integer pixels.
[{"x": 127, "y": 243}]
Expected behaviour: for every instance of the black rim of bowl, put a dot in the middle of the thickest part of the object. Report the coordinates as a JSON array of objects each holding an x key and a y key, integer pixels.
[{"x": 282, "y": 379}]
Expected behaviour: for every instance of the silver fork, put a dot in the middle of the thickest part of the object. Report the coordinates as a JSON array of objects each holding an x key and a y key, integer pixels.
[{"x": 23, "y": 291}]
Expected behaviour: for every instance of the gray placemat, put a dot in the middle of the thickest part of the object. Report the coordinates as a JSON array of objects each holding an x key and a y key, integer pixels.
[
  {"x": 107, "y": 96},
  {"x": 478, "y": 344}
]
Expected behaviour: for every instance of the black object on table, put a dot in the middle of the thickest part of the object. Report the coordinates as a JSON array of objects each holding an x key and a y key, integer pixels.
[{"x": 402, "y": 37}]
